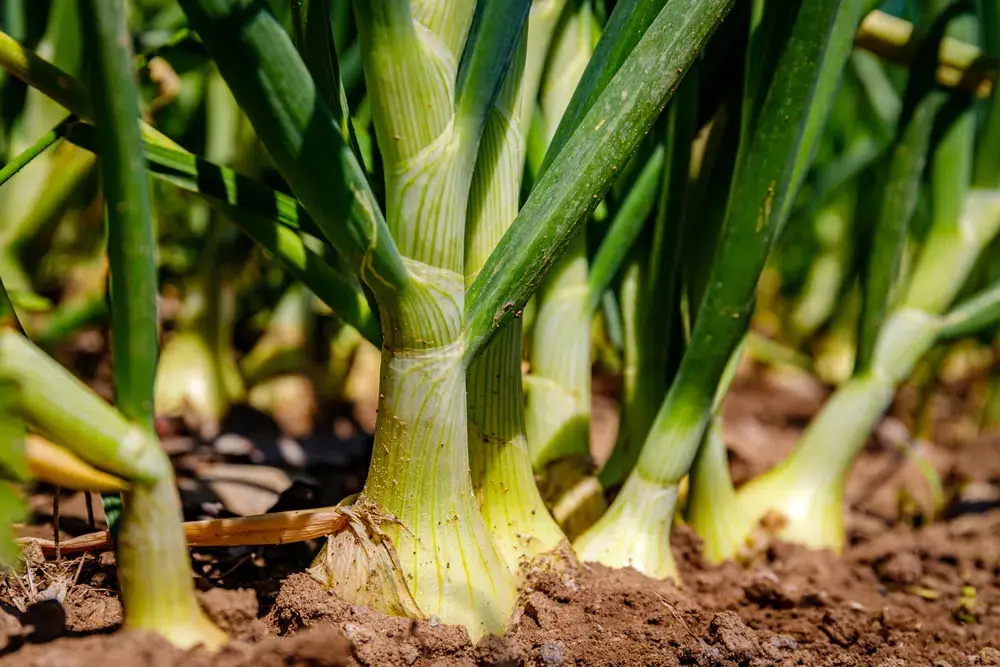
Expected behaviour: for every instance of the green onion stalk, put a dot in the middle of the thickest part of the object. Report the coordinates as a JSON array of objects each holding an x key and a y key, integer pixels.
[
  {"x": 648, "y": 294},
  {"x": 197, "y": 378},
  {"x": 153, "y": 567},
  {"x": 502, "y": 474},
  {"x": 787, "y": 95},
  {"x": 557, "y": 405},
  {"x": 805, "y": 492},
  {"x": 417, "y": 543}
]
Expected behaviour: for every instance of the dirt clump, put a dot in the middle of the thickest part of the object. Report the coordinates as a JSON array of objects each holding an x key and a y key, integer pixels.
[
  {"x": 318, "y": 647},
  {"x": 234, "y": 611}
]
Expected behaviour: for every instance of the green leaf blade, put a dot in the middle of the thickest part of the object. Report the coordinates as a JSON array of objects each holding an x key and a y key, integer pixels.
[
  {"x": 275, "y": 90},
  {"x": 585, "y": 168},
  {"x": 132, "y": 248}
]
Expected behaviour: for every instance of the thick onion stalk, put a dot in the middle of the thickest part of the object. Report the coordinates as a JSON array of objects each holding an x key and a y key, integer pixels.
[
  {"x": 557, "y": 410},
  {"x": 153, "y": 567},
  {"x": 422, "y": 545},
  {"x": 805, "y": 493},
  {"x": 502, "y": 473},
  {"x": 782, "y": 120}
]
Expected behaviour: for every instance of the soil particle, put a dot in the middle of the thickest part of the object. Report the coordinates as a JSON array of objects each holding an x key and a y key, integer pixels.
[
  {"x": 92, "y": 610},
  {"x": 728, "y": 630},
  {"x": 234, "y": 611}
]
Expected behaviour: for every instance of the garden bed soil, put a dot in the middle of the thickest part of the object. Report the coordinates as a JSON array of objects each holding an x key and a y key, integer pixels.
[{"x": 907, "y": 590}]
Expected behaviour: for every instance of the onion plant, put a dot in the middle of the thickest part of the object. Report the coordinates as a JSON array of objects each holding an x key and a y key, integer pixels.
[
  {"x": 153, "y": 568},
  {"x": 787, "y": 93},
  {"x": 905, "y": 313},
  {"x": 442, "y": 171}
]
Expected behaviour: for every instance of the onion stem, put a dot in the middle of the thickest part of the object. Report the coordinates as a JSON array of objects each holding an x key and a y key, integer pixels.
[{"x": 557, "y": 408}]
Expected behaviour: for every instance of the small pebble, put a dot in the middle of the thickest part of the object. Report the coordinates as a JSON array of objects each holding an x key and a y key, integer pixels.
[
  {"x": 552, "y": 654},
  {"x": 358, "y": 634}
]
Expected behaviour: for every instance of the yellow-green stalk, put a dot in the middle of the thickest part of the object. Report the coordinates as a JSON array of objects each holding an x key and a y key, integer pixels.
[
  {"x": 498, "y": 450},
  {"x": 157, "y": 588},
  {"x": 153, "y": 564},
  {"x": 433, "y": 553},
  {"x": 557, "y": 409}
]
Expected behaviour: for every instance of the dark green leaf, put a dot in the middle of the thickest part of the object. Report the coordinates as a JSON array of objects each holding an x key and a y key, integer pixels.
[
  {"x": 313, "y": 29},
  {"x": 628, "y": 23},
  {"x": 277, "y": 93},
  {"x": 131, "y": 239},
  {"x": 194, "y": 174},
  {"x": 770, "y": 168},
  {"x": 585, "y": 168}
]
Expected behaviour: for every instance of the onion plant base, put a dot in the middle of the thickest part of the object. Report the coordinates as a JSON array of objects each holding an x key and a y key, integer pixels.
[
  {"x": 190, "y": 384},
  {"x": 712, "y": 509},
  {"x": 801, "y": 500},
  {"x": 635, "y": 531},
  {"x": 361, "y": 565},
  {"x": 419, "y": 472},
  {"x": 154, "y": 571}
]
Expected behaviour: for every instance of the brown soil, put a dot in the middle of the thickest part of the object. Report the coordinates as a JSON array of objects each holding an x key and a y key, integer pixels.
[{"x": 911, "y": 589}]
